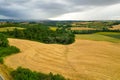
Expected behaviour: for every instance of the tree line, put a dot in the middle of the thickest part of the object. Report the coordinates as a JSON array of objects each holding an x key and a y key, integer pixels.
[{"x": 43, "y": 34}]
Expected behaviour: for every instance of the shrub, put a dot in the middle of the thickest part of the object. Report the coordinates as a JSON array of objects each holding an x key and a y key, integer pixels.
[
  {"x": 1, "y": 60},
  {"x": 5, "y": 51},
  {"x": 3, "y": 41},
  {"x": 26, "y": 74}
]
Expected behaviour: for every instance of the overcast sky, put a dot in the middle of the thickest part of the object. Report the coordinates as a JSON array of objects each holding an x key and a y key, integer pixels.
[{"x": 60, "y": 9}]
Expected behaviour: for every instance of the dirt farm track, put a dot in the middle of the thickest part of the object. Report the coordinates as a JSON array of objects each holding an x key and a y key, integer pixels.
[{"x": 82, "y": 60}]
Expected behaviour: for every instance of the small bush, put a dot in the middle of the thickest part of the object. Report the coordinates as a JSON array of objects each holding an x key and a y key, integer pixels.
[
  {"x": 1, "y": 60},
  {"x": 26, "y": 74},
  {"x": 3, "y": 41},
  {"x": 5, "y": 51}
]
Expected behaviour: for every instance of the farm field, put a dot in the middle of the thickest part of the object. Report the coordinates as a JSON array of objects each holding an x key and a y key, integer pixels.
[
  {"x": 116, "y": 27},
  {"x": 10, "y": 28},
  {"x": 4, "y": 72},
  {"x": 82, "y": 28},
  {"x": 82, "y": 60},
  {"x": 101, "y": 36},
  {"x": 53, "y": 28}
]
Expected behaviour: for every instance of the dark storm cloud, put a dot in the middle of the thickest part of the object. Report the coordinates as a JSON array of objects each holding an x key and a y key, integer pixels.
[
  {"x": 11, "y": 13},
  {"x": 47, "y": 8}
]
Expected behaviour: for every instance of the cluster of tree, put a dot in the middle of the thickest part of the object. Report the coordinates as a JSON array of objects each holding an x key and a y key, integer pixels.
[
  {"x": 5, "y": 49},
  {"x": 43, "y": 34},
  {"x": 93, "y": 31},
  {"x": 116, "y": 22},
  {"x": 3, "y": 41},
  {"x": 56, "y": 23},
  {"x": 26, "y": 74}
]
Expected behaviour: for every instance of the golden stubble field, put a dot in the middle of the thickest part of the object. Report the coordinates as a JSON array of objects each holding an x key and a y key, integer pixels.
[
  {"x": 115, "y": 27},
  {"x": 82, "y": 60},
  {"x": 82, "y": 28}
]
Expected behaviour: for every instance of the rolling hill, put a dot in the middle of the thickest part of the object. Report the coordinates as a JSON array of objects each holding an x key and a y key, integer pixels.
[{"x": 82, "y": 60}]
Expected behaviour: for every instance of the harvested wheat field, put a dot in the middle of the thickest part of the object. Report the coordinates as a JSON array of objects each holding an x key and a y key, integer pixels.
[
  {"x": 116, "y": 27},
  {"x": 82, "y": 28},
  {"x": 4, "y": 72},
  {"x": 82, "y": 60}
]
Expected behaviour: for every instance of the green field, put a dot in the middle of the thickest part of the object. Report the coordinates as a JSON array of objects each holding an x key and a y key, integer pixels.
[
  {"x": 101, "y": 36},
  {"x": 10, "y": 29}
]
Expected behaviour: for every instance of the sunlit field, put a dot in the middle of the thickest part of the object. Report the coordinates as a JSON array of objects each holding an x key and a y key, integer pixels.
[
  {"x": 84, "y": 59},
  {"x": 10, "y": 29}
]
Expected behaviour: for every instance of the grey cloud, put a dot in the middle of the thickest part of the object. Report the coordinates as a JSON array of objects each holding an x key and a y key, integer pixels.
[
  {"x": 55, "y": 8},
  {"x": 8, "y": 12},
  {"x": 94, "y": 2},
  {"x": 48, "y": 8},
  {"x": 17, "y": 1},
  {"x": 12, "y": 11}
]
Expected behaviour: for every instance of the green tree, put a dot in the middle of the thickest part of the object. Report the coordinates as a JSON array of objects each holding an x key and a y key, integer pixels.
[
  {"x": 26, "y": 74},
  {"x": 3, "y": 41}
]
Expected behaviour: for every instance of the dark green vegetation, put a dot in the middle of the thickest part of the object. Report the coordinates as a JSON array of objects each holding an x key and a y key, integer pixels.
[
  {"x": 93, "y": 31},
  {"x": 5, "y": 49},
  {"x": 43, "y": 34},
  {"x": 26, "y": 74},
  {"x": 3, "y": 41}
]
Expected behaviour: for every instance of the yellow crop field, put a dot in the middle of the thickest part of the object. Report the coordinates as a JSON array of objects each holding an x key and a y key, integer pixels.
[
  {"x": 10, "y": 29},
  {"x": 82, "y": 28},
  {"x": 116, "y": 27},
  {"x": 82, "y": 60},
  {"x": 53, "y": 28}
]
